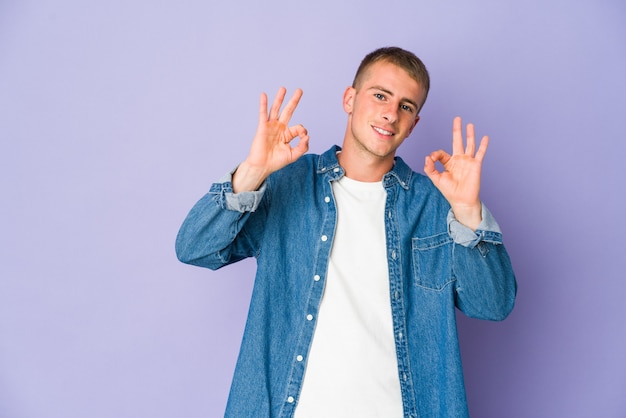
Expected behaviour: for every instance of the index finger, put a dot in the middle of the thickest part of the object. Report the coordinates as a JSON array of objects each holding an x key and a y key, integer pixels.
[{"x": 290, "y": 107}]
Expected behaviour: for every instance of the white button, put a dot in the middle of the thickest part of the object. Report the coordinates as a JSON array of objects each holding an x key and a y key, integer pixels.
[
  {"x": 400, "y": 335},
  {"x": 327, "y": 199},
  {"x": 309, "y": 317},
  {"x": 336, "y": 169},
  {"x": 393, "y": 254},
  {"x": 290, "y": 399},
  {"x": 316, "y": 277},
  {"x": 299, "y": 358},
  {"x": 324, "y": 238}
]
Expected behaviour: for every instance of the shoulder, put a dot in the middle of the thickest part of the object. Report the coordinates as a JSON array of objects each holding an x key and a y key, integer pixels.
[
  {"x": 303, "y": 164},
  {"x": 421, "y": 182},
  {"x": 412, "y": 181},
  {"x": 311, "y": 164},
  {"x": 419, "y": 189},
  {"x": 295, "y": 175}
]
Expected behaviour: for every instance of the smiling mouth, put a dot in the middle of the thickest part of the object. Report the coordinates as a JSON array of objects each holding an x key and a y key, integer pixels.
[{"x": 382, "y": 131}]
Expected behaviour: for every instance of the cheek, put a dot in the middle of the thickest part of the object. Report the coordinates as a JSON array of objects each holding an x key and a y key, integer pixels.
[
  {"x": 408, "y": 122},
  {"x": 357, "y": 111}
]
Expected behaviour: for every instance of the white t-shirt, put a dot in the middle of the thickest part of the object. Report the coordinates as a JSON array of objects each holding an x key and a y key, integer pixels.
[{"x": 352, "y": 369}]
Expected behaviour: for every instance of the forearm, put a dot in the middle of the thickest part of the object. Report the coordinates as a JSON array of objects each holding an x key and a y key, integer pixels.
[
  {"x": 485, "y": 282},
  {"x": 213, "y": 233},
  {"x": 248, "y": 178}
]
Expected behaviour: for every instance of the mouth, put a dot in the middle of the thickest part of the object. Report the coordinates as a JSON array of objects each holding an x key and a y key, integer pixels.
[{"x": 383, "y": 132}]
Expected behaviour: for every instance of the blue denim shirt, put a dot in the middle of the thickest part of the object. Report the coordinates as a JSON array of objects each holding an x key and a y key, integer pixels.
[{"x": 435, "y": 264}]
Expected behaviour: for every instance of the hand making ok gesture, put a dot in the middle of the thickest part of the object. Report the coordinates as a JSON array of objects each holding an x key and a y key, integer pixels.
[
  {"x": 271, "y": 147},
  {"x": 459, "y": 182}
]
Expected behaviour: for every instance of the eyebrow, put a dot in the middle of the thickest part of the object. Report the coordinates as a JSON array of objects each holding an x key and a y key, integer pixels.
[{"x": 384, "y": 90}]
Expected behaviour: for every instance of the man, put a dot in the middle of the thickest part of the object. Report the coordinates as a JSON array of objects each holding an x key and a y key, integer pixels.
[{"x": 360, "y": 261}]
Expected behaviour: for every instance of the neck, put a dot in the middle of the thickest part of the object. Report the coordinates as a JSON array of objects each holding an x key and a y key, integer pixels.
[{"x": 362, "y": 166}]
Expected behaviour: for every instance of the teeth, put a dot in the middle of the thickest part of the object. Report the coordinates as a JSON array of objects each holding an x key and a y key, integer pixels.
[{"x": 382, "y": 131}]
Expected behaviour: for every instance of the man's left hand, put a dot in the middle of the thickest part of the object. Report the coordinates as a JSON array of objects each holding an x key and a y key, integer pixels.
[{"x": 459, "y": 181}]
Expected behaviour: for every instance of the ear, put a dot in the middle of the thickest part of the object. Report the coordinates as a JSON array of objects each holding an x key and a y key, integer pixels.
[
  {"x": 348, "y": 99},
  {"x": 417, "y": 119}
]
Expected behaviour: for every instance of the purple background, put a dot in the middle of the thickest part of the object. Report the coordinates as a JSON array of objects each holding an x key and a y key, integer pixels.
[{"x": 116, "y": 116}]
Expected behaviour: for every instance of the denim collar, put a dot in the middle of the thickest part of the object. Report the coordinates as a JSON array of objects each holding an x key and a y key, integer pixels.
[{"x": 400, "y": 173}]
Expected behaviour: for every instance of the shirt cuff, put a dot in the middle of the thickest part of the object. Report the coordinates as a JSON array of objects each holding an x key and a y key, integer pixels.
[
  {"x": 488, "y": 230},
  {"x": 240, "y": 202}
]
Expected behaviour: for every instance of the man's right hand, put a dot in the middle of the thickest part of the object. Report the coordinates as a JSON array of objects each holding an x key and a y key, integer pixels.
[{"x": 271, "y": 147}]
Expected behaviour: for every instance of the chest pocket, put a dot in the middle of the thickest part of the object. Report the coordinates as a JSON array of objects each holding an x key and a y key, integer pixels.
[{"x": 432, "y": 261}]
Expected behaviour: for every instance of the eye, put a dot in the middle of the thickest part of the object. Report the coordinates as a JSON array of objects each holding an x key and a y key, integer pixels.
[
  {"x": 379, "y": 96},
  {"x": 406, "y": 108}
]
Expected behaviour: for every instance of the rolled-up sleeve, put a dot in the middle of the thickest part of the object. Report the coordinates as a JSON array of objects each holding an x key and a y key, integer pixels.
[
  {"x": 240, "y": 202},
  {"x": 488, "y": 230}
]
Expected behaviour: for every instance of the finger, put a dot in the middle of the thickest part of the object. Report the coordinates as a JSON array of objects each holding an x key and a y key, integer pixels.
[
  {"x": 303, "y": 143},
  {"x": 471, "y": 140},
  {"x": 263, "y": 108},
  {"x": 290, "y": 107},
  {"x": 297, "y": 131},
  {"x": 278, "y": 101},
  {"x": 482, "y": 148},
  {"x": 457, "y": 136},
  {"x": 441, "y": 156}
]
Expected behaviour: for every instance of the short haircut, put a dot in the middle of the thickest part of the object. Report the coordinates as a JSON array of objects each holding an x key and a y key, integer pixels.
[{"x": 406, "y": 60}]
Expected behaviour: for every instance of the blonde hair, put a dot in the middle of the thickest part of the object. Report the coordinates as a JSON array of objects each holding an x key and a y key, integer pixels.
[{"x": 404, "y": 59}]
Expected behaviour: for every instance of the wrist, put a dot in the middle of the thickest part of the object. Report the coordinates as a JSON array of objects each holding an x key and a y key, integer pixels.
[
  {"x": 248, "y": 178},
  {"x": 468, "y": 215}
]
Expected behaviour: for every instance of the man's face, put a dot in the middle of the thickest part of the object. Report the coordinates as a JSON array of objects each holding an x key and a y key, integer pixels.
[{"x": 382, "y": 110}]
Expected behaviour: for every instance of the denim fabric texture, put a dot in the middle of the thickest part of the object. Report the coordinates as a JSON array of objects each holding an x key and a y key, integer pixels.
[{"x": 435, "y": 265}]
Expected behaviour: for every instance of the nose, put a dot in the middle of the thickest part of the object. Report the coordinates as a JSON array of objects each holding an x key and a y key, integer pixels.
[{"x": 390, "y": 113}]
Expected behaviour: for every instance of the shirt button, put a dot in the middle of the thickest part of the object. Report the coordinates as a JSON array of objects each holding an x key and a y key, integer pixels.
[
  {"x": 324, "y": 238},
  {"x": 299, "y": 358},
  {"x": 309, "y": 317},
  {"x": 316, "y": 277},
  {"x": 327, "y": 199},
  {"x": 400, "y": 335},
  {"x": 336, "y": 169},
  {"x": 290, "y": 399}
]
